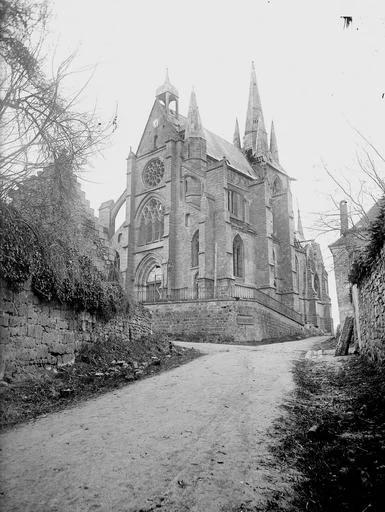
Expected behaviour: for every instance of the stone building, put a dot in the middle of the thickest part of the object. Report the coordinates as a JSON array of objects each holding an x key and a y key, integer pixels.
[
  {"x": 209, "y": 220},
  {"x": 352, "y": 239}
]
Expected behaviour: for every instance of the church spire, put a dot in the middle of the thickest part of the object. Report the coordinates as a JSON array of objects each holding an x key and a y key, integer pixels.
[
  {"x": 255, "y": 131},
  {"x": 301, "y": 236},
  {"x": 273, "y": 144},
  {"x": 168, "y": 94},
  {"x": 167, "y": 87},
  {"x": 194, "y": 124},
  {"x": 237, "y": 137}
]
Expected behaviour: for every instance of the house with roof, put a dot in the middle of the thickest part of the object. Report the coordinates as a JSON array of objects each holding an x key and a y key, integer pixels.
[
  {"x": 353, "y": 237},
  {"x": 208, "y": 220}
]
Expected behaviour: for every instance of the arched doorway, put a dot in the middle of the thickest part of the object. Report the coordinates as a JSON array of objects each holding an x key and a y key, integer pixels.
[
  {"x": 154, "y": 284},
  {"x": 149, "y": 280}
]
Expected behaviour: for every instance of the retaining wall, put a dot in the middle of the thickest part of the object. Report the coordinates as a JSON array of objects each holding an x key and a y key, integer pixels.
[
  {"x": 371, "y": 294},
  {"x": 245, "y": 320},
  {"x": 34, "y": 333}
]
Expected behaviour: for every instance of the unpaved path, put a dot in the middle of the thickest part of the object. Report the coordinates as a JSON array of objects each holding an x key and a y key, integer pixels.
[{"x": 191, "y": 439}]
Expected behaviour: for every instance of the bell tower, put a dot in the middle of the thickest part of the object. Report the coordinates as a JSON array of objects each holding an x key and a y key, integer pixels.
[{"x": 168, "y": 95}]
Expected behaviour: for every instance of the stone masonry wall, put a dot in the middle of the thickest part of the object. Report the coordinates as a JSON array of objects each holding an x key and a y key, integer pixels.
[
  {"x": 245, "y": 320},
  {"x": 34, "y": 333},
  {"x": 372, "y": 312}
]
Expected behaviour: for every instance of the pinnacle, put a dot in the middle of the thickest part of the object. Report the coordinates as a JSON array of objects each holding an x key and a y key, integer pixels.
[
  {"x": 194, "y": 126},
  {"x": 273, "y": 144},
  {"x": 167, "y": 87},
  {"x": 237, "y": 137}
]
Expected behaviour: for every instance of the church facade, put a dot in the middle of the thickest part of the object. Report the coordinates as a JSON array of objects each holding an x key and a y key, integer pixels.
[{"x": 208, "y": 219}]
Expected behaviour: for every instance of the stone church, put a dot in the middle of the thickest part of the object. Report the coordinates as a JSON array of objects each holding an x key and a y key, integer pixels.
[{"x": 208, "y": 220}]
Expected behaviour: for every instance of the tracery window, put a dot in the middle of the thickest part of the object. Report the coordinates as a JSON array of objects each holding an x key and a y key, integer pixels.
[
  {"x": 151, "y": 223},
  {"x": 195, "y": 249},
  {"x": 153, "y": 172},
  {"x": 238, "y": 258}
]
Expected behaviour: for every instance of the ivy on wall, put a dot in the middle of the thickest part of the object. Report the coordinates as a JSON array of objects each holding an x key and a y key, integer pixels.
[
  {"x": 58, "y": 272},
  {"x": 368, "y": 256}
]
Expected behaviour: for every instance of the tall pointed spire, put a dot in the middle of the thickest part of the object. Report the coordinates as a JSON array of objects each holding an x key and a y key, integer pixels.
[
  {"x": 167, "y": 87},
  {"x": 301, "y": 236},
  {"x": 168, "y": 94},
  {"x": 194, "y": 124},
  {"x": 273, "y": 144},
  {"x": 255, "y": 131},
  {"x": 237, "y": 137}
]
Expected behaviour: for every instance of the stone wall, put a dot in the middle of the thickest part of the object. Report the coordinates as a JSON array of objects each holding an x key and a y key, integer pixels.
[
  {"x": 371, "y": 294},
  {"x": 245, "y": 320},
  {"x": 34, "y": 333}
]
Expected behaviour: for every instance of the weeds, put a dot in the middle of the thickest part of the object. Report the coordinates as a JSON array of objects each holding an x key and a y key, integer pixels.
[{"x": 334, "y": 436}]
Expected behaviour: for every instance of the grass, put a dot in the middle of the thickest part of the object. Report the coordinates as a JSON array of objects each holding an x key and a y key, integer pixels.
[{"x": 332, "y": 439}]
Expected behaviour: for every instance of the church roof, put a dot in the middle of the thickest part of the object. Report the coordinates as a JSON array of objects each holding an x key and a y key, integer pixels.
[{"x": 219, "y": 148}]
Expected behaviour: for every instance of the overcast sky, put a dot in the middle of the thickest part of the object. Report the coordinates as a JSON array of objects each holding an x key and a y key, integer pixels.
[{"x": 317, "y": 79}]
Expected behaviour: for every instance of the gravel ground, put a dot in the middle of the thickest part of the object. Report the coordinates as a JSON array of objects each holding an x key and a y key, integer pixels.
[{"x": 191, "y": 439}]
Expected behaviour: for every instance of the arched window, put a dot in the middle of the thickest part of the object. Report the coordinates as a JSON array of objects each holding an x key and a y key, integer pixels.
[
  {"x": 316, "y": 284},
  {"x": 195, "y": 249},
  {"x": 297, "y": 272},
  {"x": 238, "y": 258},
  {"x": 151, "y": 223}
]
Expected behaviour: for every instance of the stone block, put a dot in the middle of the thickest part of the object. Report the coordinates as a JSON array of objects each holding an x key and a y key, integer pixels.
[
  {"x": 66, "y": 360},
  {"x": 57, "y": 348},
  {"x": 5, "y": 334},
  {"x": 69, "y": 337},
  {"x": 48, "y": 337},
  {"x": 4, "y": 320},
  {"x": 8, "y": 307},
  {"x": 42, "y": 352},
  {"x": 22, "y": 309}
]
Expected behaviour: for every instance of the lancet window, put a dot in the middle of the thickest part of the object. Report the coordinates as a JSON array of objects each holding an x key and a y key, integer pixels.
[{"x": 238, "y": 257}]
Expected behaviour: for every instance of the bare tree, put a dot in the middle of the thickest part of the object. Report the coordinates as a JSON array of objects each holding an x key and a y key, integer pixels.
[
  {"x": 39, "y": 127},
  {"x": 361, "y": 193}
]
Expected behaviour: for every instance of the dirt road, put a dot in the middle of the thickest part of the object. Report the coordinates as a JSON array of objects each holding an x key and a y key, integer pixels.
[{"x": 191, "y": 439}]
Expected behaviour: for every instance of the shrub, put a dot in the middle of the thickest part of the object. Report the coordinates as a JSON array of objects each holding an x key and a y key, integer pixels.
[
  {"x": 57, "y": 270},
  {"x": 16, "y": 249},
  {"x": 367, "y": 257}
]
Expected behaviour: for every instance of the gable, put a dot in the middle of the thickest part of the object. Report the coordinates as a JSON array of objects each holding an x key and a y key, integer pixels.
[{"x": 157, "y": 131}]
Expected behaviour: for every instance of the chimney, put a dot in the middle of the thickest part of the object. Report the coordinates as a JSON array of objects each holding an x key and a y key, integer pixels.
[{"x": 344, "y": 220}]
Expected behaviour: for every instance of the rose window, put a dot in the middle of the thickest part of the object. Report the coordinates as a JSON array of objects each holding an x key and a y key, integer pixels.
[{"x": 153, "y": 173}]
